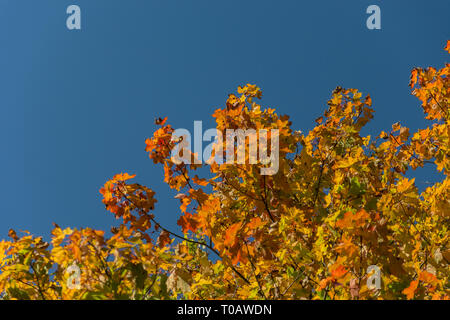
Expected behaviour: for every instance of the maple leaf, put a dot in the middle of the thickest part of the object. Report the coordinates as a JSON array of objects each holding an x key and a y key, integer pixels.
[
  {"x": 13, "y": 235},
  {"x": 230, "y": 235},
  {"x": 338, "y": 272},
  {"x": 123, "y": 177},
  {"x": 164, "y": 239},
  {"x": 188, "y": 222},
  {"x": 201, "y": 182},
  {"x": 413, "y": 79},
  {"x": 160, "y": 121},
  {"x": 428, "y": 277},
  {"x": 410, "y": 291}
]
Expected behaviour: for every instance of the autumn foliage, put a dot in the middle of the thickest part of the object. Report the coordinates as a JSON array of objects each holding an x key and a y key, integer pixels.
[{"x": 340, "y": 202}]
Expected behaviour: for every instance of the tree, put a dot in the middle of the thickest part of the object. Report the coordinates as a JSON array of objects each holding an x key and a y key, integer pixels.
[{"x": 339, "y": 203}]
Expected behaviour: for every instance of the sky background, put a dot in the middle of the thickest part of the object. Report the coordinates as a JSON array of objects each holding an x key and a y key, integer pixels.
[{"x": 77, "y": 106}]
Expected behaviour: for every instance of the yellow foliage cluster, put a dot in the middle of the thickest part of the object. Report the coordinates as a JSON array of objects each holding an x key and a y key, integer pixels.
[{"x": 340, "y": 203}]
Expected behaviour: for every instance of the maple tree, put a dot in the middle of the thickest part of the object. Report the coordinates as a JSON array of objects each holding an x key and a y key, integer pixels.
[{"x": 339, "y": 203}]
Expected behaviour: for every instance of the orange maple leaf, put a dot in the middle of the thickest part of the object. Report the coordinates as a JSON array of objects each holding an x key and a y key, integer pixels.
[
  {"x": 428, "y": 277},
  {"x": 188, "y": 222},
  {"x": 200, "y": 182},
  {"x": 230, "y": 236},
  {"x": 410, "y": 291},
  {"x": 339, "y": 272}
]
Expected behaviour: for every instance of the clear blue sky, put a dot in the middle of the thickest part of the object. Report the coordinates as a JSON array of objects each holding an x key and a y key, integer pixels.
[{"x": 77, "y": 106}]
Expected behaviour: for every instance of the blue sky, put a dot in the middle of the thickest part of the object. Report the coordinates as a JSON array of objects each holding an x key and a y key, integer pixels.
[{"x": 77, "y": 106}]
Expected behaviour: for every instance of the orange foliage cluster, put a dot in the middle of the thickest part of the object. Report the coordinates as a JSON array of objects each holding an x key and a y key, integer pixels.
[{"x": 340, "y": 202}]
